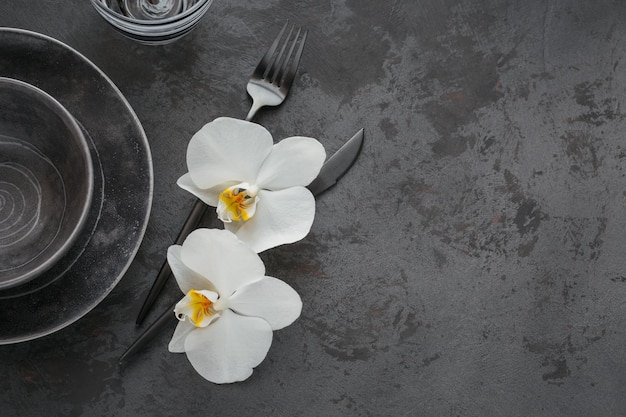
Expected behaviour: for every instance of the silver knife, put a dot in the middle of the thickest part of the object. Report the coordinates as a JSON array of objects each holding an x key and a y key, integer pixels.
[
  {"x": 332, "y": 170},
  {"x": 337, "y": 165}
]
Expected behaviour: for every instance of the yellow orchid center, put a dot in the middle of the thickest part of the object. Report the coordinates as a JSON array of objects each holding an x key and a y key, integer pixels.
[
  {"x": 237, "y": 203},
  {"x": 198, "y": 307}
]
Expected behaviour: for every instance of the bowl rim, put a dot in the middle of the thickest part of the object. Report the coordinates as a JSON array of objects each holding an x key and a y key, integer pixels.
[
  {"x": 72, "y": 126},
  {"x": 101, "y": 8}
]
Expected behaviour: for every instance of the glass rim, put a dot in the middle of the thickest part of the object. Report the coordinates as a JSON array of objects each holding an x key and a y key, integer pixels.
[{"x": 101, "y": 7}]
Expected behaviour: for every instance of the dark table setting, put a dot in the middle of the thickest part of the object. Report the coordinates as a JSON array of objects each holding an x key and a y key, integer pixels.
[{"x": 470, "y": 263}]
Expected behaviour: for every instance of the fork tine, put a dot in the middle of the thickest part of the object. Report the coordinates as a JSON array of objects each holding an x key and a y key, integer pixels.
[
  {"x": 291, "y": 72},
  {"x": 283, "y": 64},
  {"x": 266, "y": 61},
  {"x": 278, "y": 63}
]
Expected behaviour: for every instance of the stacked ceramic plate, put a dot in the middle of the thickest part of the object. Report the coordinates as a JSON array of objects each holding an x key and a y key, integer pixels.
[{"x": 75, "y": 185}]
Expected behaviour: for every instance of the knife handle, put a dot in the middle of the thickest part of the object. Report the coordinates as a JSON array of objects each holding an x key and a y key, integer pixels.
[
  {"x": 164, "y": 320},
  {"x": 190, "y": 225}
]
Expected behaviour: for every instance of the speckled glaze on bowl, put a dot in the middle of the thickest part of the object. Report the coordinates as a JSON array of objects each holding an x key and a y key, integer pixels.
[{"x": 46, "y": 181}]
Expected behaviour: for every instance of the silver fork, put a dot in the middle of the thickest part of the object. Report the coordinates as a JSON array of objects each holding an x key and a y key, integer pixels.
[
  {"x": 272, "y": 78},
  {"x": 268, "y": 80}
]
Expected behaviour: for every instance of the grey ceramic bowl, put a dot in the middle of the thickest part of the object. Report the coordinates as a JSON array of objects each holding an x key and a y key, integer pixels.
[{"x": 46, "y": 181}]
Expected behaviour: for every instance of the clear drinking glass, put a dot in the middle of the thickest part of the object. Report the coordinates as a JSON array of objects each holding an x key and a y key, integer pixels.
[
  {"x": 152, "y": 9},
  {"x": 152, "y": 22}
]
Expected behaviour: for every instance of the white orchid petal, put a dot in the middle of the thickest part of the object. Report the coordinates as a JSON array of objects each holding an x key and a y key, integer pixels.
[
  {"x": 293, "y": 161},
  {"x": 233, "y": 226},
  {"x": 177, "y": 344},
  {"x": 187, "y": 278},
  {"x": 281, "y": 217},
  {"x": 270, "y": 299},
  {"x": 225, "y": 150},
  {"x": 228, "y": 349},
  {"x": 210, "y": 196},
  {"x": 222, "y": 258},
  {"x": 210, "y": 295}
]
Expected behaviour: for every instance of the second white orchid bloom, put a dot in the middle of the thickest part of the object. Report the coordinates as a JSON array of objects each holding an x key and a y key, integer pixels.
[
  {"x": 230, "y": 307},
  {"x": 257, "y": 187}
]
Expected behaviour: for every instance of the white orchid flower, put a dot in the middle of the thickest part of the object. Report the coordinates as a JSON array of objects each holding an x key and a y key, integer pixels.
[
  {"x": 257, "y": 187},
  {"x": 230, "y": 307}
]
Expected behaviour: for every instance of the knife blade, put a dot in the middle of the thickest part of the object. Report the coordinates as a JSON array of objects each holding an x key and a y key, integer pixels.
[
  {"x": 333, "y": 169},
  {"x": 338, "y": 164}
]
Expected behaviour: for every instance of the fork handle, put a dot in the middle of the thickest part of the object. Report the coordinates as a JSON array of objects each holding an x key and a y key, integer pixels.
[
  {"x": 255, "y": 107},
  {"x": 192, "y": 221}
]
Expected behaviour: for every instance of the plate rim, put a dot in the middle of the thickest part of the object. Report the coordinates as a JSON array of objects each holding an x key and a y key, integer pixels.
[{"x": 141, "y": 230}]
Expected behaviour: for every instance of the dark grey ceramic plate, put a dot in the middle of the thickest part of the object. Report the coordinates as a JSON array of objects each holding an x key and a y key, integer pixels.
[{"x": 122, "y": 194}]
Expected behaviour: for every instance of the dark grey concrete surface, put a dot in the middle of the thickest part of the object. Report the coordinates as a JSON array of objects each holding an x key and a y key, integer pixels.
[{"x": 470, "y": 264}]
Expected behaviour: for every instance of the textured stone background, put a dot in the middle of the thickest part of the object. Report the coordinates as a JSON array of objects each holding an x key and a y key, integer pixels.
[{"x": 470, "y": 264}]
